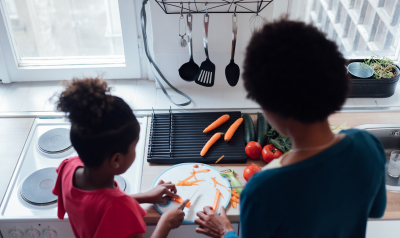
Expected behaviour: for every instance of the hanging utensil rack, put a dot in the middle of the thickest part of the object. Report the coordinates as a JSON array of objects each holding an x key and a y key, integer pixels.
[{"x": 224, "y": 6}]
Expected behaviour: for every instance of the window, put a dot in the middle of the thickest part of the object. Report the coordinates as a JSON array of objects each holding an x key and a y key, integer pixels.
[
  {"x": 359, "y": 27},
  {"x": 51, "y": 39}
]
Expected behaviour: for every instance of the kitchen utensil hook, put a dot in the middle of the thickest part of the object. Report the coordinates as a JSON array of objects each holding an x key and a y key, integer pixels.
[
  {"x": 189, "y": 12},
  {"x": 206, "y": 9},
  {"x": 234, "y": 12},
  {"x": 181, "y": 9}
]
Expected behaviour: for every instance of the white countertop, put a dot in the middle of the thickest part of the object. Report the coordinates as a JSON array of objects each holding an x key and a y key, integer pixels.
[{"x": 143, "y": 95}]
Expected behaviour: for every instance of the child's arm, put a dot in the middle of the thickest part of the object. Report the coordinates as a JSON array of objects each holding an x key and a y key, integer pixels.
[
  {"x": 169, "y": 220},
  {"x": 156, "y": 195}
]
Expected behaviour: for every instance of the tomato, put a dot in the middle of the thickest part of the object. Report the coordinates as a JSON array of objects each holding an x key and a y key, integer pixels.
[
  {"x": 250, "y": 170},
  {"x": 270, "y": 152},
  {"x": 253, "y": 150}
]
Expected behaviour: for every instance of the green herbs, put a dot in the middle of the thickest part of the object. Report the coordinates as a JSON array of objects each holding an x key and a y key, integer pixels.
[
  {"x": 283, "y": 143},
  {"x": 383, "y": 67}
]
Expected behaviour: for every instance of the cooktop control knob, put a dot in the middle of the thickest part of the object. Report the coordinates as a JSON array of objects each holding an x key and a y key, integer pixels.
[
  {"x": 16, "y": 233},
  {"x": 49, "y": 233},
  {"x": 33, "y": 233}
]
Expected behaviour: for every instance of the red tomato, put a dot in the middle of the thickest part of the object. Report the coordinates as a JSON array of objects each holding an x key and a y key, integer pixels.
[
  {"x": 250, "y": 170},
  {"x": 253, "y": 150},
  {"x": 270, "y": 152}
]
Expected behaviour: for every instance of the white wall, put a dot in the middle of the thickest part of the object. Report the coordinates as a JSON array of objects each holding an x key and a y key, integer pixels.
[{"x": 170, "y": 56}]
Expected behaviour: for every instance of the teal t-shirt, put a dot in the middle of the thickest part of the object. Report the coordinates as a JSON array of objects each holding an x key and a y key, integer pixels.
[{"x": 331, "y": 194}]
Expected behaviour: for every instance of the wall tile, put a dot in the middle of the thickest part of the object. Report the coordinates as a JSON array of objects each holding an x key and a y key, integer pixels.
[
  {"x": 387, "y": 102},
  {"x": 125, "y": 89},
  {"x": 364, "y": 102},
  {"x": 3, "y": 91},
  {"x": 233, "y": 98},
  {"x": 38, "y": 94},
  {"x": 211, "y": 98},
  {"x": 145, "y": 95},
  {"x": 15, "y": 97}
]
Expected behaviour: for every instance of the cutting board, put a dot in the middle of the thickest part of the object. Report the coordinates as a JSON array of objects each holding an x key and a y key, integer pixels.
[{"x": 203, "y": 197}]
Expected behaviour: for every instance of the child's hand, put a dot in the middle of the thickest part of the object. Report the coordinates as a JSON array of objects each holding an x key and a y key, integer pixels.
[
  {"x": 174, "y": 217},
  {"x": 156, "y": 195}
]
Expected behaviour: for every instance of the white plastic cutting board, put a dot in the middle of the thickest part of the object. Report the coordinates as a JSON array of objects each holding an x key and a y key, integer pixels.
[{"x": 203, "y": 197}]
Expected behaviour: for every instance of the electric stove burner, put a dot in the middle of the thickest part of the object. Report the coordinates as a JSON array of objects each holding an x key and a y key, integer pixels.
[
  {"x": 55, "y": 141},
  {"x": 120, "y": 181},
  {"x": 37, "y": 187}
]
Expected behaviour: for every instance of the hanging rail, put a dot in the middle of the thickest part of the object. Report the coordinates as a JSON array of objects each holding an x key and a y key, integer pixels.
[{"x": 224, "y": 6}]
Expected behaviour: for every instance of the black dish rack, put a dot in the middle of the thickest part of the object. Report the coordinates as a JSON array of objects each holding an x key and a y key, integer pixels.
[{"x": 179, "y": 138}]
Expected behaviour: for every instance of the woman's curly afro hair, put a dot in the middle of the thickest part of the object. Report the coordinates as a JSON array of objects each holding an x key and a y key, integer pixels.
[{"x": 294, "y": 71}]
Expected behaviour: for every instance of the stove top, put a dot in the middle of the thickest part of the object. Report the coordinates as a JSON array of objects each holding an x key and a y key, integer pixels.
[{"x": 29, "y": 199}]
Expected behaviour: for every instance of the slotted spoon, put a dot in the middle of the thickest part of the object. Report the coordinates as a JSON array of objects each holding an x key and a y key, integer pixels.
[{"x": 206, "y": 73}]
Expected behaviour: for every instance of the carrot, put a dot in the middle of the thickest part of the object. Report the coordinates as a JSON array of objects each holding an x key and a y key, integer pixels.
[
  {"x": 234, "y": 199},
  {"x": 216, "y": 182},
  {"x": 217, "y": 123},
  {"x": 180, "y": 200},
  {"x": 195, "y": 166},
  {"x": 233, "y": 204},
  {"x": 220, "y": 159},
  {"x": 216, "y": 199},
  {"x": 181, "y": 183},
  {"x": 194, "y": 174},
  {"x": 234, "y": 193},
  {"x": 210, "y": 142},
  {"x": 185, "y": 180},
  {"x": 201, "y": 171},
  {"x": 232, "y": 129}
]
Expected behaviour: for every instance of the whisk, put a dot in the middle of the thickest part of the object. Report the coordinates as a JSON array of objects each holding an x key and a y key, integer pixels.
[{"x": 256, "y": 22}]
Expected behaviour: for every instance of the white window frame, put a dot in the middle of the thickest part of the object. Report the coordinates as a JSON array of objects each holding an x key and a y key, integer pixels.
[
  {"x": 10, "y": 71},
  {"x": 300, "y": 11}
]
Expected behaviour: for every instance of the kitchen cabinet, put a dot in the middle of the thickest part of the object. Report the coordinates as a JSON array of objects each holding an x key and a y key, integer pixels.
[{"x": 184, "y": 231}]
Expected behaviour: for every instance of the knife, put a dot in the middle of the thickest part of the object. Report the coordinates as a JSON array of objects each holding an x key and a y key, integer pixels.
[{"x": 192, "y": 196}]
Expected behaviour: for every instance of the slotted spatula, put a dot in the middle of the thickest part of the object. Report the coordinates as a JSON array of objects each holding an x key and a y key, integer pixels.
[{"x": 206, "y": 73}]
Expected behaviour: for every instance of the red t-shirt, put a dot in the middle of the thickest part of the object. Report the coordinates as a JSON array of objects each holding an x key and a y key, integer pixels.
[{"x": 100, "y": 213}]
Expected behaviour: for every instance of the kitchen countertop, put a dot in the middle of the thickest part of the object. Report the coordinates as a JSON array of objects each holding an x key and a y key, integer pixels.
[
  {"x": 14, "y": 132},
  {"x": 151, "y": 171},
  {"x": 13, "y": 135}
]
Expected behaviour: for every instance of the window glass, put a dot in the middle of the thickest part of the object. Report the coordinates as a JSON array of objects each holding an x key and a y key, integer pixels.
[
  {"x": 76, "y": 31},
  {"x": 360, "y": 26}
]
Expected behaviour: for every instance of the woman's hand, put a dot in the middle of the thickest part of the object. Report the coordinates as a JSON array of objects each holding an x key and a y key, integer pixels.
[
  {"x": 211, "y": 224},
  {"x": 159, "y": 194}
]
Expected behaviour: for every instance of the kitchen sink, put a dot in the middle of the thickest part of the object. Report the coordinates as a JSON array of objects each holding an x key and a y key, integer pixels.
[{"x": 389, "y": 135}]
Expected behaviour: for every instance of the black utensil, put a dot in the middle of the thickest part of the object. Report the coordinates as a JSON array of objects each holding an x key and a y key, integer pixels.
[
  {"x": 232, "y": 71},
  {"x": 189, "y": 70},
  {"x": 206, "y": 74}
]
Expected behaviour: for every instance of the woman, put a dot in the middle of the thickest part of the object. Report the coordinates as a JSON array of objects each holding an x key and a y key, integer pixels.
[{"x": 329, "y": 184}]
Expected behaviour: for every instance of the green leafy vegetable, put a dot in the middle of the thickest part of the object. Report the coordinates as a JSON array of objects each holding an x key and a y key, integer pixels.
[
  {"x": 283, "y": 143},
  {"x": 272, "y": 133}
]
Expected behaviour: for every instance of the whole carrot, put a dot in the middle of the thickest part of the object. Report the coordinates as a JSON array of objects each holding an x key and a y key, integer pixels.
[
  {"x": 232, "y": 129},
  {"x": 210, "y": 142},
  {"x": 217, "y": 123}
]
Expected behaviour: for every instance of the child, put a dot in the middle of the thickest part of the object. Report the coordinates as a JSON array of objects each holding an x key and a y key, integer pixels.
[
  {"x": 104, "y": 132},
  {"x": 329, "y": 185}
]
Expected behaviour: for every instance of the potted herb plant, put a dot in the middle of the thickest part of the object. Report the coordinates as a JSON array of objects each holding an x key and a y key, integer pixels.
[{"x": 381, "y": 84}]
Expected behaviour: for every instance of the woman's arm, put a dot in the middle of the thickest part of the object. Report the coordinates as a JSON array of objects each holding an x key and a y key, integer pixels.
[{"x": 214, "y": 225}]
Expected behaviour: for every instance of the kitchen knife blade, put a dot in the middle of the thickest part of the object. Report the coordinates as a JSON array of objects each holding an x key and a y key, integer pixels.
[{"x": 192, "y": 196}]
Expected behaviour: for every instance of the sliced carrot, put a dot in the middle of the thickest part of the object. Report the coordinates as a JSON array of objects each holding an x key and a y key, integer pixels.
[
  {"x": 233, "y": 203},
  {"x": 234, "y": 193},
  {"x": 220, "y": 159},
  {"x": 234, "y": 199},
  {"x": 210, "y": 142},
  {"x": 194, "y": 174},
  {"x": 232, "y": 129},
  {"x": 217, "y": 123},
  {"x": 216, "y": 182},
  {"x": 180, "y": 200},
  {"x": 187, "y": 178},
  {"x": 195, "y": 166},
  {"x": 201, "y": 171},
  {"x": 181, "y": 183},
  {"x": 216, "y": 199}
]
